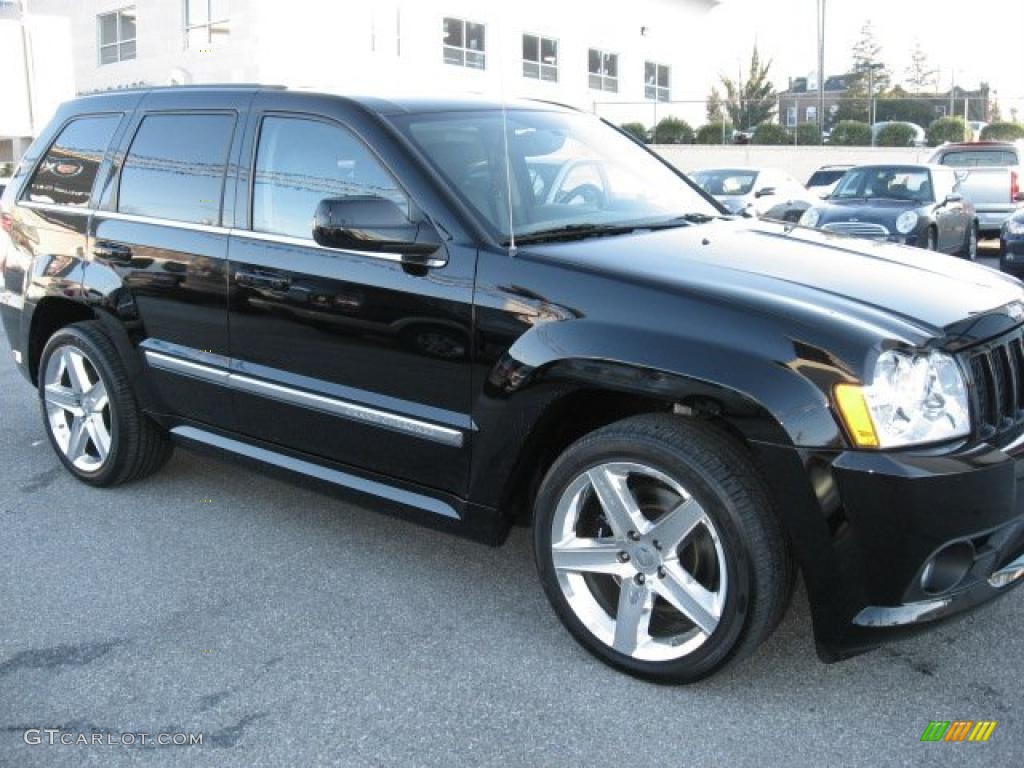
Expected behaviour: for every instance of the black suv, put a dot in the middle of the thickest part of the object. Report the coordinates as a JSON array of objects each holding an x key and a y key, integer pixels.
[{"x": 476, "y": 316}]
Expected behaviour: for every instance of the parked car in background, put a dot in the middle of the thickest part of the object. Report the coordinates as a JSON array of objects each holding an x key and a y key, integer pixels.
[
  {"x": 916, "y": 205},
  {"x": 3, "y": 184},
  {"x": 823, "y": 181},
  {"x": 991, "y": 178},
  {"x": 920, "y": 135},
  {"x": 765, "y": 192},
  {"x": 1011, "y": 245}
]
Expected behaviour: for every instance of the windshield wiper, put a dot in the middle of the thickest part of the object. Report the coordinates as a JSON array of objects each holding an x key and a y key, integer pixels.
[{"x": 585, "y": 230}]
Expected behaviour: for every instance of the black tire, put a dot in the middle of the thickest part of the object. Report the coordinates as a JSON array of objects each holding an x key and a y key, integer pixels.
[
  {"x": 970, "y": 249},
  {"x": 720, "y": 475},
  {"x": 138, "y": 446},
  {"x": 932, "y": 240}
]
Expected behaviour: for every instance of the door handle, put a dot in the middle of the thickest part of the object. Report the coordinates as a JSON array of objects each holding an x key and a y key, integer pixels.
[
  {"x": 112, "y": 251},
  {"x": 261, "y": 280}
]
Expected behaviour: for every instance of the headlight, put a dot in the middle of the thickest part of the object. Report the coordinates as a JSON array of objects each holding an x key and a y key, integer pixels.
[
  {"x": 810, "y": 218},
  {"x": 906, "y": 223},
  {"x": 912, "y": 399},
  {"x": 1015, "y": 226}
]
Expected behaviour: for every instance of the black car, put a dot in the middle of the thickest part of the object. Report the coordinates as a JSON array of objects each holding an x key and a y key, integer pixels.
[
  {"x": 685, "y": 406},
  {"x": 916, "y": 205},
  {"x": 1011, "y": 245}
]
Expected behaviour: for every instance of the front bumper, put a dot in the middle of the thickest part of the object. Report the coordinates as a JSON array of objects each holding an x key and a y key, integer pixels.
[{"x": 874, "y": 522}]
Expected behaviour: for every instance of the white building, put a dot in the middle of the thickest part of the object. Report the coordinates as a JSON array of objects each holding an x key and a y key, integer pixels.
[
  {"x": 571, "y": 51},
  {"x": 35, "y": 74}
]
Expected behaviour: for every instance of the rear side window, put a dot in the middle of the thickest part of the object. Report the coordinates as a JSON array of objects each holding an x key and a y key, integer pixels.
[
  {"x": 175, "y": 167},
  {"x": 301, "y": 162},
  {"x": 67, "y": 172}
]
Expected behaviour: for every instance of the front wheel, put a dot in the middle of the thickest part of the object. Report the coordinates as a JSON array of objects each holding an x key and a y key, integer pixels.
[
  {"x": 658, "y": 548},
  {"x": 970, "y": 249},
  {"x": 90, "y": 412},
  {"x": 931, "y": 242}
]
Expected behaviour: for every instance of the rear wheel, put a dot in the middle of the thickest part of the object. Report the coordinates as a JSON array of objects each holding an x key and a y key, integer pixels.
[
  {"x": 91, "y": 415},
  {"x": 658, "y": 549}
]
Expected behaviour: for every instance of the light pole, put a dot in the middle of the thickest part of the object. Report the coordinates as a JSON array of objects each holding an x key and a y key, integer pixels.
[
  {"x": 821, "y": 66},
  {"x": 872, "y": 68}
]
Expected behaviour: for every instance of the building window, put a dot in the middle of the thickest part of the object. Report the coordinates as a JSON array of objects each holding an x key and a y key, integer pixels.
[
  {"x": 540, "y": 58},
  {"x": 791, "y": 115},
  {"x": 604, "y": 70},
  {"x": 656, "y": 81},
  {"x": 117, "y": 35},
  {"x": 206, "y": 22},
  {"x": 811, "y": 114},
  {"x": 465, "y": 44}
]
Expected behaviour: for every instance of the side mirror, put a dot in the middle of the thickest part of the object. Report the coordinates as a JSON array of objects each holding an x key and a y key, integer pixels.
[
  {"x": 1019, "y": 197},
  {"x": 953, "y": 198},
  {"x": 375, "y": 225},
  {"x": 765, "y": 192}
]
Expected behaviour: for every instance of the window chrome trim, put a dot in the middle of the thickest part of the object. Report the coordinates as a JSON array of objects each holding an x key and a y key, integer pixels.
[
  {"x": 308, "y": 468},
  {"x": 53, "y": 207},
  {"x": 247, "y": 234},
  {"x": 345, "y": 409}
]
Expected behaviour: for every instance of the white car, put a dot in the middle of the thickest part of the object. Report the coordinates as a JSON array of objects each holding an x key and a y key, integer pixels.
[
  {"x": 764, "y": 192},
  {"x": 824, "y": 180}
]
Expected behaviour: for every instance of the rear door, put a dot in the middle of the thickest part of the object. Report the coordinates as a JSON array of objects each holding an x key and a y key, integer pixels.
[
  {"x": 160, "y": 238},
  {"x": 348, "y": 355}
]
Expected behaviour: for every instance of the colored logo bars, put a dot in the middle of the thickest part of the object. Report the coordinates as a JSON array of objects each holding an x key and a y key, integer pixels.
[{"x": 958, "y": 730}]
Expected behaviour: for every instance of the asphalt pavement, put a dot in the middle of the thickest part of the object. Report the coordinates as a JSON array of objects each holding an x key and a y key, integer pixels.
[{"x": 290, "y": 629}]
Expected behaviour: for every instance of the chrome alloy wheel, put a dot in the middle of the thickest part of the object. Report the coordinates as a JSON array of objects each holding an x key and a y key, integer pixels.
[
  {"x": 639, "y": 561},
  {"x": 77, "y": 408}
]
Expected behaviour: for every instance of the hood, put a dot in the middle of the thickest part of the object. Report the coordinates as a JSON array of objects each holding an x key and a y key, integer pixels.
[
  {"x": 894, "y": 290},
  {"x": 875, "y": 211}
]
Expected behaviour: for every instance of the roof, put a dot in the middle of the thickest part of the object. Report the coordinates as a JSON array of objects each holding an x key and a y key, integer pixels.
[{"x": 384, "y": 105}]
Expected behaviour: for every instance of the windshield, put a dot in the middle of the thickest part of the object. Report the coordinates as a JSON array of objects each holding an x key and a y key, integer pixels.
[
  {"x": 567, "y": 170},
  {"x": 975, "y": 158},
  {"x": 888, "y": 182},
  {"x": 726, "y": 183}
]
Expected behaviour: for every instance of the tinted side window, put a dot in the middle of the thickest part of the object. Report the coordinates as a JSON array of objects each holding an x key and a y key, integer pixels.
[
  {"x": 68, "y": 170},
  {"x": 175, "y": 167},
  {"x": 301, "y": 162}
]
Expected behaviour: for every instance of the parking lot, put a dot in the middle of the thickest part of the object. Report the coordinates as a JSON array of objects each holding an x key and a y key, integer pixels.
[{"x": 291, "y": 629}]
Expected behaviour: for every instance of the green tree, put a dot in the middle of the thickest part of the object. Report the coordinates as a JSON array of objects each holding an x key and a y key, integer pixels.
[
  {"x": 771, "y": 133},
  {"x": 715, "y": 107},
  {"x": 867, "y": 56},
  {"x": 947, "y": 129},
  {"x": 921, "y": 75},
  {"x": 851, "y": 133},
  {"x": 869, "y": 70},
  {"x": 637, "y": 130},
  {"x": 714, "y": 133},
  {"x": 896, "y": 135},
  {"x": 672, "y": 130},
  {"x": 1002, "y": 132},
  {"x": 753, "y": 101},
  {"x": 896, "y": 105}
]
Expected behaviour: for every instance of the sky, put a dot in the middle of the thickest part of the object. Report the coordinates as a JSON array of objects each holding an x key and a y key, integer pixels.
[{"x": 979, "y": 40}]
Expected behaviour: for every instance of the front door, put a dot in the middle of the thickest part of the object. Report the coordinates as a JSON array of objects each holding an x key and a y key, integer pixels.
[{"x": 347, "y": 355}]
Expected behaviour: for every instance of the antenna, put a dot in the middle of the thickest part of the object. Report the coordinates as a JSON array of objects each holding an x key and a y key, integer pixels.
[{"x": 504, "y": 134}]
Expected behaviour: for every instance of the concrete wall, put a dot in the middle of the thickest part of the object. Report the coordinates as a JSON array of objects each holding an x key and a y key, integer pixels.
[{"x": 799, "y": 162}]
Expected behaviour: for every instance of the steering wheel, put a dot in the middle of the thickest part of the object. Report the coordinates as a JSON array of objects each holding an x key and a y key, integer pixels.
[{"x": 589, "y": 194}]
